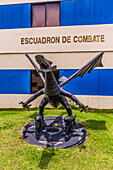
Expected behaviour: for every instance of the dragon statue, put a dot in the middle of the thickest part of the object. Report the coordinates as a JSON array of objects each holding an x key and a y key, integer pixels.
[
  {"x": 53, "y": 92},
  {"x": 69, "y": 131}
]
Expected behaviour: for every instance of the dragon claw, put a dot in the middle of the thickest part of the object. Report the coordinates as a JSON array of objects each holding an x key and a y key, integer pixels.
[
  {"x": 25, "y": 106},
  {"x": 84, "y": 109},
  {"x": 28, "y": 106}
]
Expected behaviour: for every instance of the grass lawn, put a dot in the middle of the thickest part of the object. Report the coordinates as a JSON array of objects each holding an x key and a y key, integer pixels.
[{"x": 95, "y": 154}]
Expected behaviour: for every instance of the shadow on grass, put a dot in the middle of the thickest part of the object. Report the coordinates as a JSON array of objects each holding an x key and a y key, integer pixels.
[
  {"x": 34, "y": 114},
  {"x": 95, "y": 124},
  {"x": 7, "y": 113},
  {"x": 7, "y": 126},
  {"x": 47, "y": 154},
  {"x": 81, "y": 147}
]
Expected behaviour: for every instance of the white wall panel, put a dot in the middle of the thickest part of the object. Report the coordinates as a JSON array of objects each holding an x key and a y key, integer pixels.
[
  {"x": 12, "y": 101},
  {"x": 100, "y": 102},
  {"x": 51, "y": 39},
  {"x": 62, "y": 60},
  {"x": 4, "y": 2}
]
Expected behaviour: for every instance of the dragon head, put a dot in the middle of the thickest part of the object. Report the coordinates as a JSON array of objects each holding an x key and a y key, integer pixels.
[{"x": 45, "y": 65}]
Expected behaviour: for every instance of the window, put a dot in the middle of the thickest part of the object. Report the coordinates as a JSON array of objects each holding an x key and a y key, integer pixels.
[
  {"x": 46, "y": 15},
  {"x": 36, "y": 82}
]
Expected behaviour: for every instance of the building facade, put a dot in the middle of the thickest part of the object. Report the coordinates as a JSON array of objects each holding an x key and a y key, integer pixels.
[{"x": 67, "y": 32}]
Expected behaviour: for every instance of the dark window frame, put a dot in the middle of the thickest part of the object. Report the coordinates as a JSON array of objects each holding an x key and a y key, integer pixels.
[{"x": 43, "y": 3}]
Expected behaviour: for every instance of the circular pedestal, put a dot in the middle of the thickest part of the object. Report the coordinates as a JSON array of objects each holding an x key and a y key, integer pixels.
[{"x": 54, "y": 133}]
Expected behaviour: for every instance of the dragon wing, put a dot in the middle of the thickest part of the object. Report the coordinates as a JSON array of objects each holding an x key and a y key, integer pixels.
[
  {"x": 36, "y": 68},
  {"x": 95, "y": 62}
]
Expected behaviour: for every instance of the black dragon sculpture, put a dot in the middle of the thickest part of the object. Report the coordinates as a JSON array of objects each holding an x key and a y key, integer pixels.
[{"x": 53, "y": 92}]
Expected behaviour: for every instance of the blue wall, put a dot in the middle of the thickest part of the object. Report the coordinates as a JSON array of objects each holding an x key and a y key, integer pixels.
[
  {"x": 86, "y": 12},
  {"x": 98, "y": 82},
  {"x": 75, "y": 12},
  {"x": 15, "y": 82},
  {"x": 15, "y": 16}
]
